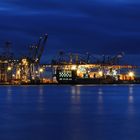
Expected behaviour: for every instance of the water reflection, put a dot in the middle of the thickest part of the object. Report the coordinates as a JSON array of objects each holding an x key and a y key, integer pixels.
[
  {"x": 75, "y": 97},
  {"x": 75, "y": 90},
  {"x": 100, "y": 100},
  {"x": 131, "y": 88},
  {"x": 40, "y": 99},
  {"x": 131, "y": 109},
  {"x": 40, "y": 90},
  {"x": 9, "y": 93},
  {"x": 100, "y": 96},
  {"x": 75, "y": 112},
  {"x": 40, "y": 94},
  {"x": 131, "y": 97}
]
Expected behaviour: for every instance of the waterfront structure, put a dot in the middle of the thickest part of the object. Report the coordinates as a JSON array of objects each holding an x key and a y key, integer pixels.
[
  {"x": 96, "y": 74},
  {"x": 71, "y": 68},
  {"x": 25, "y": 69}
]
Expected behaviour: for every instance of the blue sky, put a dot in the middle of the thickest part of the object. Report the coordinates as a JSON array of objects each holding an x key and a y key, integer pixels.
[{"x": 96, "y": 26}]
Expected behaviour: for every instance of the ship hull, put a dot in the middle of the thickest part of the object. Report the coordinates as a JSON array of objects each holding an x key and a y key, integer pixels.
[
  {"x": 70, "y": 77},
  {"x": 86, "y": 82}
]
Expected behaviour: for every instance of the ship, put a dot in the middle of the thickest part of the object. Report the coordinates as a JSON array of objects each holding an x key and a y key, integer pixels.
[
  {"x": 96, "y": 74},
  {"x": 94, "y": 69}
]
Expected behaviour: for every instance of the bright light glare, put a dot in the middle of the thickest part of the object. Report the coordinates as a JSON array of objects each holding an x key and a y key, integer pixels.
[
  {"x": 78, "y": 71},
  {"x": 100, "y": 73},
  {"x": 9, "y": 68},
  {"x": 18, "y": 72},
  {"x": 73, "y": 67},
  {"x": 40, "y": 70},
  {"x": 131, "y": 74}
]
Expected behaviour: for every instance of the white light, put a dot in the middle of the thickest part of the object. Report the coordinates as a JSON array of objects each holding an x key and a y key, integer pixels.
[
  {"x": 73, "y": 67},
  {"x": 114, "y": 72},
  {"x": 9, "y": 68},
  {"x": 18, "y": 72},
  {"x": 78, "y": 71},
  {"x": 100, "y": 73},
  {"x": 131, "y": 74},
  {"x": 41, "y": 70}
]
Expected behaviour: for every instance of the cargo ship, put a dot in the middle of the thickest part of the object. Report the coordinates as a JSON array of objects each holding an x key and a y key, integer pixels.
[{"x": 96, "y": 74}]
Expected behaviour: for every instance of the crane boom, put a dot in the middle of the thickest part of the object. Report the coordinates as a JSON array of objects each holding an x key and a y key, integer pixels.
[
  {"x": 37, "y": 47},
  {"x": 40, "y": 48}
]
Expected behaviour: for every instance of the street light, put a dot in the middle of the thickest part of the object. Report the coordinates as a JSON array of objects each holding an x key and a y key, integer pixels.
[
  {"x": 9, "y": 68},
  {"x": 41, "y": 70}
]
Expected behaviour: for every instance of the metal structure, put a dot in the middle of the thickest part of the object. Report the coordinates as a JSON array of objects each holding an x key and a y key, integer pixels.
[
  {"x": 28, "y": 69},
  {"x": 25, "y": 69}
]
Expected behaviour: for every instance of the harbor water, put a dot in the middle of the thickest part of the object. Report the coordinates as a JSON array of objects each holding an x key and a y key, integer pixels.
[{"x": 94, "y": 112}]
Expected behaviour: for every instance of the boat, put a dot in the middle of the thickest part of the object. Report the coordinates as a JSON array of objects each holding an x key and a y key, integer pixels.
[{"x": 82, "y": 74}]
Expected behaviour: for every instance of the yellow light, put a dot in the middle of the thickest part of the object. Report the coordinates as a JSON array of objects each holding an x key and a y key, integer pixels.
[
  {"x": 131, "y": 74},
  {"x": 9, "y": 68},
  {"x": 100, "y": 73},
  {"x": 33, "y": 78},
  {"x": 41, "y": 70},
  {"x": 18, "y": 72},
  {"x": 78, "y": 71},
  {"x": 24, "y": 62},
  {"x": 73, "y": 67}
]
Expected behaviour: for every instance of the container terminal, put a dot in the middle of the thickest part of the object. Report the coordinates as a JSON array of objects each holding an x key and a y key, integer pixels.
[{"x": 65, "y": 69}]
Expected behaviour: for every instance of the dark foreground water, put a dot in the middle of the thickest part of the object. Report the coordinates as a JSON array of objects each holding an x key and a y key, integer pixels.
[{"x": 70, "y": 112}]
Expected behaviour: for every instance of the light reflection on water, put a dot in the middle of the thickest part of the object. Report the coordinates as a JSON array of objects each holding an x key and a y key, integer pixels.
[
  {"x": 75, "y": 90},
  {"x": 131, "y": 97},
  {"x": 70, "y": 112},
  {"x": 41, "y": 94},
  {"x": 9, "y": 93},
  {"x": 75, "y": 109},
  {"x": 131, "y": 109},
  {"x": 100, "y": 96},
  {"x": 40, "y": 99},
  {"x": 100, "y": 100}
]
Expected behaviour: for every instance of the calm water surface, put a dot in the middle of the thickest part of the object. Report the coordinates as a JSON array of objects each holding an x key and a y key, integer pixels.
[{"x": 70, "y": 112}]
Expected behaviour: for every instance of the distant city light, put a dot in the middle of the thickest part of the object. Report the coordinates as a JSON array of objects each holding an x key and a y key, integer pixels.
[
  {"x": 100, "y": 73},
  {"x": 78, "y": 72},
  {"x": 131, "y": 74},
  {"x": 41, "y": 70},
  {"x": 73, "y": 67},
  {"x": 9, "y": 68},
  {"x": 24, "y": 62},
  {"x": 18, "y": 71}
]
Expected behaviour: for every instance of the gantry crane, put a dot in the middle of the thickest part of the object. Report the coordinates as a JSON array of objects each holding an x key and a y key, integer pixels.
[
  {"x": 30, "y": 64},
  {"x": 39, "y": 48},
  {"x": 36, "y": 52}
]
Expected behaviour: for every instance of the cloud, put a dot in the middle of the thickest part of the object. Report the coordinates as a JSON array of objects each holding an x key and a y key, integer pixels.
[{"x": 80, "y": 26}]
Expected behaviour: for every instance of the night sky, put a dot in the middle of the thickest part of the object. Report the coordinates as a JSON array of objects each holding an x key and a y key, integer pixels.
[{"x": 96, "y": 26}]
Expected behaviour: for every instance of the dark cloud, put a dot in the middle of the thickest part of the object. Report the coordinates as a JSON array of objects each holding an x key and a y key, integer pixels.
[{"x": 95, "y": 26}]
